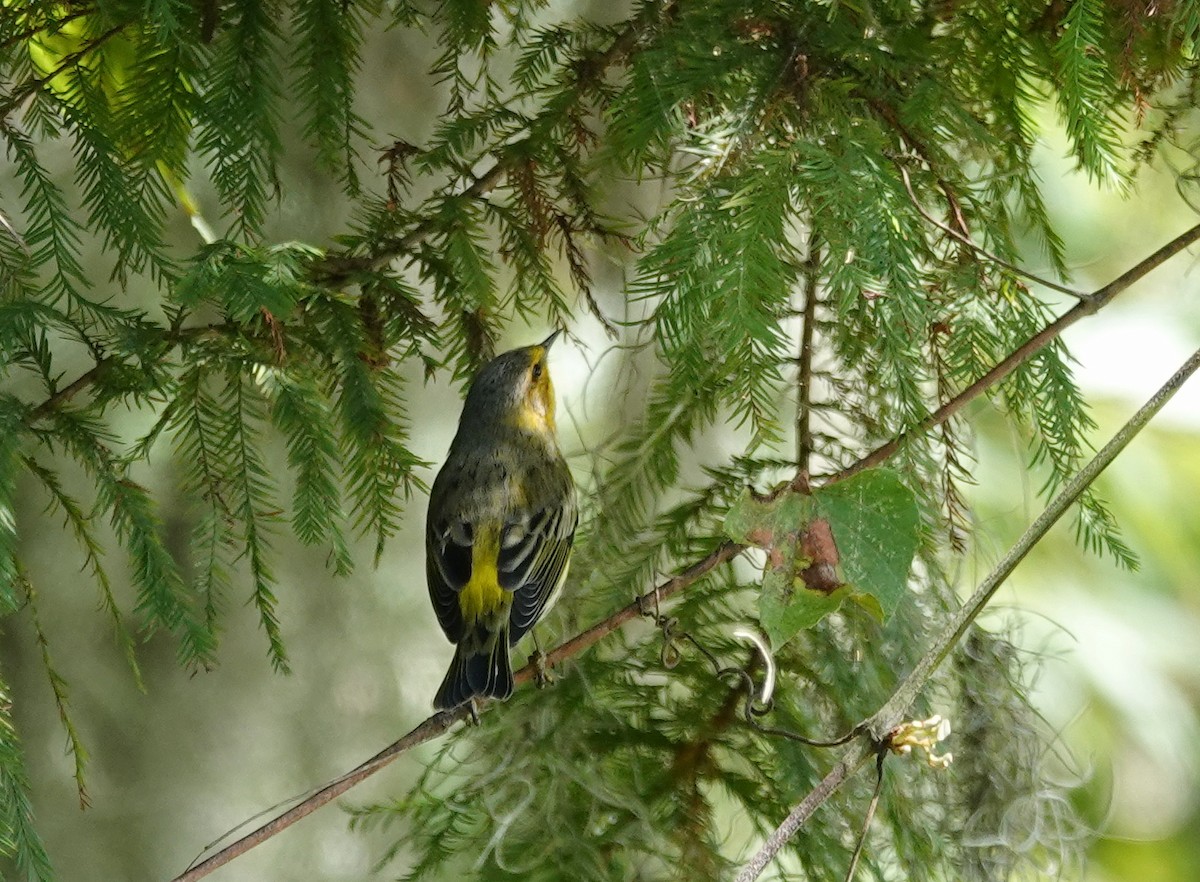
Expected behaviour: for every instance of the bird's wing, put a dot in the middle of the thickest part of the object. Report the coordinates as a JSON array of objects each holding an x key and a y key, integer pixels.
[
  {"x": 533, "y": 561},
  {"x": 448, "y": 550}
]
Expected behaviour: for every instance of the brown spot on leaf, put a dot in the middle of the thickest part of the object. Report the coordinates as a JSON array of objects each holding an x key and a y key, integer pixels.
[
  {"x": 820, "y": 550},
  {"x": 760, "y": 536},
  {"x": 775, "y": 558}
]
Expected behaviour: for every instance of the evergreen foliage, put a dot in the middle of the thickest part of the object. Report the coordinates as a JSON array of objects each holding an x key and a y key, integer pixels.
[{"x": 786, "y": 143}]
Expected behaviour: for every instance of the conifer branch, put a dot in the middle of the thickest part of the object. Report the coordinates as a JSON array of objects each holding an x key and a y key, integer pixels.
[
  {"x": 918, "y": 146},
  {"x": 440, "y": 723},
  {"x": 1088, "y": 305},
  {"x": 173, "y": 336},
  {"x": 875, "y": 731},
  {"x": 470, "y": 229},
  {"x": 480, "y": 185},
  {"x": 337, "y": 266}
]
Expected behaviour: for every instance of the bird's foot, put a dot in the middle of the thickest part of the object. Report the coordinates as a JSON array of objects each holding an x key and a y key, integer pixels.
[{"x": 542, "y": 675}]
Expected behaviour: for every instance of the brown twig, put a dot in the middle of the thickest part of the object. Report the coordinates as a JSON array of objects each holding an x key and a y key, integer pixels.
[
  {"x": 66, "y": 393},
  {"x": 172, "y": 336},
  {"x": 854, "y": 758},
  {"x": 804, "y": 438},
  {"x": 962, "y": 234},
  {"x": 876, "y": 731},
  {"x": 1089, "y": 305},
  {"x": 439, "y": 723},
  {"x": 860, "y": 846},
  {"x": 917, "y": 145},
  {"x": 479, "y": 186}
]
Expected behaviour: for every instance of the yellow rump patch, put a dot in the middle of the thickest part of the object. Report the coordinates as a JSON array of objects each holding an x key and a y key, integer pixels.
[{"x": 482, "y": 597}]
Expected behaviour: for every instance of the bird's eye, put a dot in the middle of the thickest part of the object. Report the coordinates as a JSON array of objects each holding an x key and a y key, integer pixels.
[{"x": 537, "y": 370}]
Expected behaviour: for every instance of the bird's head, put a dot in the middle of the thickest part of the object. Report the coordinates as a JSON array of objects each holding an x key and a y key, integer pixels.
[{"x": 514, "y": 390}]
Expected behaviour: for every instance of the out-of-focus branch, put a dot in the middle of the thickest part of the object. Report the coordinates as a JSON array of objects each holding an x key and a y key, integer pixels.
[
  {"x": 24, "y": 90},
  {"x": 51, "y": 26}
]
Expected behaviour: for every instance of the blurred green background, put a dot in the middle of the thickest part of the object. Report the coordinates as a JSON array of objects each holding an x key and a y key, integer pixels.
[{"x": 1118, "y": 670}]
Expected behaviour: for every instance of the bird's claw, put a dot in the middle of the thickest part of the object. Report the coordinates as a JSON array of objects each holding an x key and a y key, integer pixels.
[{"x": 542, "y": 676}]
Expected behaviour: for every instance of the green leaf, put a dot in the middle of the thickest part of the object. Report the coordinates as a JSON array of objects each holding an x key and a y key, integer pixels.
[
  {"x": 753, "y": 521},
  {"x": 785, "y": 606},
  {"x": 875, "y": 521}
]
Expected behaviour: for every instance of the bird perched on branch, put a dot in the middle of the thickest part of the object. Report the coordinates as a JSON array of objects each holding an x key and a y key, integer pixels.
[{"x": 501, "y": 520}]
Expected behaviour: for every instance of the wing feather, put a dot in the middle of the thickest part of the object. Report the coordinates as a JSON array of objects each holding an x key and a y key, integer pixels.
[
  {"x": 447, "y": 570},
  {"x": 538, "y": 570}
]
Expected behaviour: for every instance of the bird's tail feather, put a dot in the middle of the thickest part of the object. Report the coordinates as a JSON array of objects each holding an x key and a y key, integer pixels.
[{"x": 484, "y": 671}]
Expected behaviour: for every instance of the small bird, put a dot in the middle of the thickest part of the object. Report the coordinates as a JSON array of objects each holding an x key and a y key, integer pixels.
[{"x": 501, "y": 520}]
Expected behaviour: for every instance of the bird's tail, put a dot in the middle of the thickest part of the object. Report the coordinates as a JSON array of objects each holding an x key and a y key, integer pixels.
[{"x": 476, "y": 670}]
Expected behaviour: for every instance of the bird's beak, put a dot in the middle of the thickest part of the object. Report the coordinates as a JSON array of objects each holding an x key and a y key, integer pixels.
[{"x": 549, "y": 341}]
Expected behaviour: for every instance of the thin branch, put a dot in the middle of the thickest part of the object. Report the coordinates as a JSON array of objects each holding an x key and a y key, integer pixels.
[
  {"x": 66, "y": 393},
  {"x": 172, "y": 336},
  {"x": 438, "y": 724},
  {"x": 58, "y": 688},
  {"x": 880, "y": 756},
  {"x": 812, "y": 274},
  {"x": 1090, "y": 305},
  {"x": 918, "y": 146},
  {"x": 966, "y": 240},
  {"x": 875, "y": 731},
  {"x": 482, "y": 184},
  {"x": 338, "y": 266},
  {"x": 890, "y": 714},
  {"x": 854, "y": 758}
]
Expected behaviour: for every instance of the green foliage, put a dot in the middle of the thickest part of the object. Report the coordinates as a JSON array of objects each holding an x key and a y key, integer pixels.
[
  {"x": 301, "y": 413},
  {"x": 770, "y": 147},
  {"x": 60, "y": 690},
  {"x": 19, "y": 840},
  {"x": 329, "y": 35},
  {"x": 10, "y": 447},
  {"x": 237, "y": 126}
]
